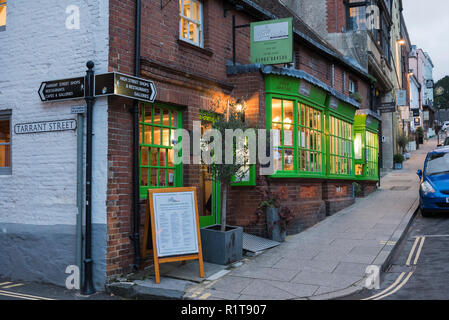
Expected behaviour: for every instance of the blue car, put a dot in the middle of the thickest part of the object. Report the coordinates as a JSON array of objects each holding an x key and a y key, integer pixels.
[{"x": 434, "y": 189}]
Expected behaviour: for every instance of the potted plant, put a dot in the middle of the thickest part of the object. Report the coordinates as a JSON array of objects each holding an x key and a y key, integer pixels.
[
  {"x": 277, "y": 214},
  {"x": 398, "y": 159},
  {"x": 402, "y": 141},
  {"x": 223, "y": 243},
  {"x": 357, "y": 96}
]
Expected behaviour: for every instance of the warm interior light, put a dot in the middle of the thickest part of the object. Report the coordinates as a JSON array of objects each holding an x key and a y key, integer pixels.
[
  {"x": 401, "y": 42},
  {"x": 287, "y": 126},
  {"x": 276, "y": 119},
  {"x": 358, "y": 146}
]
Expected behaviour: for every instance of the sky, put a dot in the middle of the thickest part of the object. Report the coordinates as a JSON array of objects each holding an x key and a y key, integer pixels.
[{"x": 428, "y": 27}]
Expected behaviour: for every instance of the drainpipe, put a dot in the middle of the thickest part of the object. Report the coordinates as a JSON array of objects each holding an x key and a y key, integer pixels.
[
  {"x": 79, "y": 196},
  {"x": 135, "y": 237}
]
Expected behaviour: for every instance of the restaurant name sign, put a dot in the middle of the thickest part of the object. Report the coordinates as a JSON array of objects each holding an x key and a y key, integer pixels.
[{"x": 272, "y": 41}]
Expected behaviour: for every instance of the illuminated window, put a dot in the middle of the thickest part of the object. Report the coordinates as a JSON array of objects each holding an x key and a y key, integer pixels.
[
  {"x": 2, "y": 15},
  {"x": 309, "y": 139},
  {"x": 5, "y": 142},
  {"x": 191, "y": 21},
  {"x": 356, "y": 15},
  {"x": 158, "y": 126},
  {"x": 283, "y": 121},
  {"x": 341, "y": 144},
  {"x": 371, "y": 154}
]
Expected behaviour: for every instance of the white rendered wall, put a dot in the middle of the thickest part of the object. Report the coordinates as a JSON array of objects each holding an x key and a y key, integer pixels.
[{"x": 35, "y": 47}]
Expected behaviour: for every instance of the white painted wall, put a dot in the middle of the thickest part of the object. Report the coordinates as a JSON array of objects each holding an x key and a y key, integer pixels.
[{"x": 37, "y": 46}]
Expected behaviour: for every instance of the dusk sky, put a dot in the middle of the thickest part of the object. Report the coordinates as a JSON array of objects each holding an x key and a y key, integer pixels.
[{"x": 428, "y": 26}]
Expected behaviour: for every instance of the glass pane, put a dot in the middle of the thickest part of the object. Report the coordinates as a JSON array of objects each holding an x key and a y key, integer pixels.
[
  {"x": 193, "y": 35},
  {"x": 153, "y": 177},
  {"x": 184, "y": 28},
  {"x": 4, "y": 131},
  {"x": 147, "y": 137},
  {"x": 157, "y": 116},
  {"x": 277, "y": 154},
  {"x": 162, "y": 158},
  {"x": 153, "y": 157},
  {"x": 171, "y": 177},
  {"x": 157, "y": 135},
  {"x": 144, "y": 177},
  {"x": 174, "y": 119},
  {"x": 140, "y": 134},
  {"x": 3, "y": 14},
  {"x": 144, "y": 154},
  {"x": 288, "y": 160},
  {"x": 186, "y": 9},
  {"x": 195, "y": 11},
  {"x": 166, "y": 118},
  {"x": 288, "y": 137},
  {"x": 276, "y": 110},
  {"x": 171, "y": 159},
  {"x": 5, "y": 156},
  {"x": 162, "y": 178},
  {"x": 166, "y": 137},
  {"x": 288, "y": 111}
]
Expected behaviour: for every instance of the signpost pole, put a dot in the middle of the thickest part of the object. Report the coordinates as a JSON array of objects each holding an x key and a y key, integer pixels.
[{"x": 88, "y": 286}]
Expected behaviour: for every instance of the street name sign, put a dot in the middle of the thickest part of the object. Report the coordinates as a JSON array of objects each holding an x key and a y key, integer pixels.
[
  {"x": 64, "y": 89},
  {"x": 119, "y": 84},
  {"x": 45, "y": 126},
  {"x": 78, "y": 109}
]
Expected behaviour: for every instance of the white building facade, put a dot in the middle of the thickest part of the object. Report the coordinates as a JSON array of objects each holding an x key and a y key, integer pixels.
[{"x": 41, "y": 41}]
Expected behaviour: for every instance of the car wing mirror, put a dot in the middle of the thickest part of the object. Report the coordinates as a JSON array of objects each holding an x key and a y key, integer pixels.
[{"x": 419, "y": 173}]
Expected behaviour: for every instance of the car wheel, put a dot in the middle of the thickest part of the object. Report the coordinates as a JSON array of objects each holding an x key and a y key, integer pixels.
[{"x": 426, "y": 213}]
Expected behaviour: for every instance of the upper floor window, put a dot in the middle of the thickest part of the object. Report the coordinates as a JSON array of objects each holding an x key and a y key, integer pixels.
[
  {"x": 5, "y": 142},
  {"x": 352, "y": 88},
  {"x": 2, "y": 15},
  {"x": 191, "y": 21},
  {"x": 356, "y": 15}
]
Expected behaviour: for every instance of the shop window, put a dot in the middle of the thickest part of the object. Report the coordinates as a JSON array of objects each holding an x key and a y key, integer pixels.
[
  {"x": 341, "y": 160},
  {"x": 283, "y": 122},
  {"x": 2, "y": 15},
  {"x": 191, "y": 21},
  {"x": 371, "y": 154},
  {"x": 157, "y": 132},
  {"x": 309, "y": 139},
  {"x": 5, "y": 143}
]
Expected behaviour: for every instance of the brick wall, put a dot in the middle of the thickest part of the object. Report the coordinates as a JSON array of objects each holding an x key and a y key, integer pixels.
[
  {"x": 194, "y": 79},
  {"x": 336, "y": 16}
]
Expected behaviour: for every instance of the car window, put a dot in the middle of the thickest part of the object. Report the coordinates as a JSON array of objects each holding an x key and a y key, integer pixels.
[{"x": 437, "y": 164}]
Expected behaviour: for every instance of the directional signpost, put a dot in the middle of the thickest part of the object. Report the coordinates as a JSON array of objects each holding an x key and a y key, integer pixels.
[
  {"x": 65, "y": 89},
  {"x": 119, "y": 84}
]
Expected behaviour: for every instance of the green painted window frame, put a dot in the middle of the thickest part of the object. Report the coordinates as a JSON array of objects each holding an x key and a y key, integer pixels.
[
  {"x": 340, "y": 153},
  {"x": 372, "y": 154},
  {"x": 152, "y": 126},
  {"x": 297, "y": 124}
]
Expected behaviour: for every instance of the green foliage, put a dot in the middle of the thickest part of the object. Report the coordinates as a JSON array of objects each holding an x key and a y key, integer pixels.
[
  {"x": 398, "y": 158},
  {"x": 402, "y": 140},
  {"x": 441, "y": 93},
  {"x": 357, "y": 96}
]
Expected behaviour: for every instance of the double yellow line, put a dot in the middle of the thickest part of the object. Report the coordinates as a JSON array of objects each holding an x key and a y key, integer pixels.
[
  {"x": 404, "y": 277},
  {"x": 7, "y": 285}
]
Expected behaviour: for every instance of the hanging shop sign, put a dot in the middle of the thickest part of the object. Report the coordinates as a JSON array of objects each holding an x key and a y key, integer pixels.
[
  {"x": 387, "y": 107},
  {"x": 65, "y": 89},
  {"x": 401, "y": 97},
  {"x": 172, "y": 216},
  {"x": 45, "y": 126},
  {"x": 417, "y": 121},
  {"x": 119, "y": 84},
  {"x": 272, "y": 41}
]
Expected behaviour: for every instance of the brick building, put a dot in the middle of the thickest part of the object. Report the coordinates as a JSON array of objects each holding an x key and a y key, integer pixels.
[{"x": 321, "y": 101}]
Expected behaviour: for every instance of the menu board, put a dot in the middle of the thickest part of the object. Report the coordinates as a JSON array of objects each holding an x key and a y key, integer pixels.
[
  {"x": 175, "y": 223},
  {"x": 172, "y": 228}
]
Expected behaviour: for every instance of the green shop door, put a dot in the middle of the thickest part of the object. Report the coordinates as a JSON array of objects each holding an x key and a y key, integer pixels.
[{"x": 209, "y": 192}]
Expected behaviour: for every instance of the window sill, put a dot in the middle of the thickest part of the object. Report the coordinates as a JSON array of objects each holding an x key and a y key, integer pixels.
[
  {"x": 185, "y": 44},
  {"x": 2, "y": 28}
]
